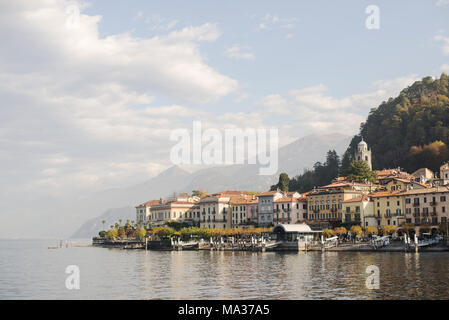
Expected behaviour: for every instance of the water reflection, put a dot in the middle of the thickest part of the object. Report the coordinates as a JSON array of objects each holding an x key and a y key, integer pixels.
[{"x": 32, "y": 271}]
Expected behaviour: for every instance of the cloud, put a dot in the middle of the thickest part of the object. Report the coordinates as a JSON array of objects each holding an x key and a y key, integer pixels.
[
  {"x": 442, "y": 3},
  {"x": 313, "y": 110},
  {"x": 445, "y": 41},
  {"x": 275, "y": 104},
  {"x": 269, "y": 21},
  {"x": 170, "y": 65},
  {"x": 239, "y": 52}
]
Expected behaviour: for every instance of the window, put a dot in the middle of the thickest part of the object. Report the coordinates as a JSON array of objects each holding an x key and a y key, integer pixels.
[
  {"x": 407, "y": 200},
  {"x": 443, "y": 198}
]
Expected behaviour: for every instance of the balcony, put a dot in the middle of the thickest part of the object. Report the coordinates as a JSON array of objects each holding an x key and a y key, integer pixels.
[
  {"x": 433, "y": 203},
  {"x": 416, "y": 204}
]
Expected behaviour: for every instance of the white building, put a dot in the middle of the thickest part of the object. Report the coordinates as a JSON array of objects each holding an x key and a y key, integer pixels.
[{"x": 363, "y": 153}]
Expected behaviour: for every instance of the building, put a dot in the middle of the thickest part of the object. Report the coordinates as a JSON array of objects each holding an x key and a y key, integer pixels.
[
  {"x": 388, "y": 209},
  {"x": 290, "y": 209},
  {"x": 444, "y": 173},
  {"x": 265, "y": 207},
  {"x": 423, "y": 175},
  {"x": 426, "y": 206},
  {"x": 384, "y": 176},
  {"x": 325, "y": 204},
  {"x": 294, "y": 236},
  {"x": 359, "y": 211},
  {"x": 143, "y": 211},
  {"x": 363, "y": 153},
  {"x": 401, "y": 184},
  {"x": 244, "y": 213},
  {"x": 177, "y": 208},
  {"x": 216, "y": 209}
]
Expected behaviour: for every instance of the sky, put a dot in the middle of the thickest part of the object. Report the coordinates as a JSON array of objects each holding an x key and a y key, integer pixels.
[{"x": 91, "y": 90}]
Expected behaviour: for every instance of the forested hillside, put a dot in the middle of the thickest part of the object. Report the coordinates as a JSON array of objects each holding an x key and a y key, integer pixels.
[{"x": 411, "y": 130}]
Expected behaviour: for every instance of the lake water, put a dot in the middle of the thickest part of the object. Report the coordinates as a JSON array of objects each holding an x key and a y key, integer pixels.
[{"x": 29, "y": 270}]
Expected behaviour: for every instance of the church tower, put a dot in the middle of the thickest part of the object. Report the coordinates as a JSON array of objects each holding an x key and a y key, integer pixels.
[{"x": 363, "y": 153}]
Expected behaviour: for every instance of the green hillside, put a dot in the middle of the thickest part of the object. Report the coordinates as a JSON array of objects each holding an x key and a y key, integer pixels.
[{"x": 411, "y": 130}]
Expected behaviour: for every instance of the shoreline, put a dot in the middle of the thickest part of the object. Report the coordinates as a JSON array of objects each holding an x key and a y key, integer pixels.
[{"x": 133, "y": 244}]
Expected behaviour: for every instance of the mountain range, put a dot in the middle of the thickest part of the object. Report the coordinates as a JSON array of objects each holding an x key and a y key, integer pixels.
[{"x": 119, "y": 203}]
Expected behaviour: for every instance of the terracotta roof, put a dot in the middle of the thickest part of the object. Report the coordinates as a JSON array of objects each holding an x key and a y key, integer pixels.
[
  {"x": 268, "y": 193},
  {"x": 287, "y": 199},
  {"x": 244, "y": 202},
  {"x": 342, "y": 184},
  {"x": 385, "y": 194},
  {"x": 427, "y": 190},
  {"x": 149, "y": 203},
  {"x": 357, "y": 199}
]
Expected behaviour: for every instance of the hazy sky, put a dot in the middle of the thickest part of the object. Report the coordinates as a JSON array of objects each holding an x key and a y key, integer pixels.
[{"x": 89, "y": 101}]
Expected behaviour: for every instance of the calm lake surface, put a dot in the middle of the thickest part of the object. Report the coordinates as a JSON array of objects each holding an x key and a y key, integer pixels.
[{"x": 29, "y": 270}]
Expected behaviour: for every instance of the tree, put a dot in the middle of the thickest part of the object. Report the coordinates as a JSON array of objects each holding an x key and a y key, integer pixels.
[
  {"x": 102, "y": 234},
  {"x": 141, "y": 233},
  {"x": 388, "y": 230},
  {"x": 121, "y": 233},
  {"x": 112, "y": 234},
  {"x": 356, "y": 230},
  {"x": 177, "y": 225},
  {"x": 416, "y": 117},
  {"x": 340, "y": 231},
  {"x": 199, "y": 193},
  {"x": 103, "y": 222},
  {"x": 433, "y": 154},
  {"x": 163, "y": 232},
  {"x": 371, "y": 230},
  {"x": 327, "y": 233},
  {"x": 283, "y": 183},
  {"x": 359, "y": 171}
]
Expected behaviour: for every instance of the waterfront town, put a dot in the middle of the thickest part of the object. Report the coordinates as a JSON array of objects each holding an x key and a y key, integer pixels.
[{"x": 399, "y": 201}]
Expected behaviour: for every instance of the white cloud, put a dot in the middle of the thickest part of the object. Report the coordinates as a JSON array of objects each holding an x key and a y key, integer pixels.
[
  {"x": 445, "y": 41},
  {"x": 239, "y": 52},
  {"x": 269, "y": 21},
  {"x": 313, "y": 110},
  {"x": 169, "y": 65},
  {"x": 442, "y": 3},
  {"x": 275, "y": 104}
]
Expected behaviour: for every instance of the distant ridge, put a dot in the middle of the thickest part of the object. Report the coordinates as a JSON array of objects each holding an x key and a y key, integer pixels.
[{"x": 293, "y": 159}]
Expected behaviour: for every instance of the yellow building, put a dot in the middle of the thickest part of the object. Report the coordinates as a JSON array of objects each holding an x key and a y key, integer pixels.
[
  {"x": 388, "y": 208},
  {"x": 325, "y": 203},
  {"x": 182, "y": 209},
  {"x": 358, "y": 211}
]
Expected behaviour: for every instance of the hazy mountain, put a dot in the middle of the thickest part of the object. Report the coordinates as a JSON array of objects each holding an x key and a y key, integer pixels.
[
  {"x": 293, "y": 159},
  {"x": 92, "y": 226}
]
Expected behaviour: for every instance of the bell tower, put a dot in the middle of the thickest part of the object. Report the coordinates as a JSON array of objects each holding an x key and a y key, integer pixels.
[{"x": 363, "y": 153}]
